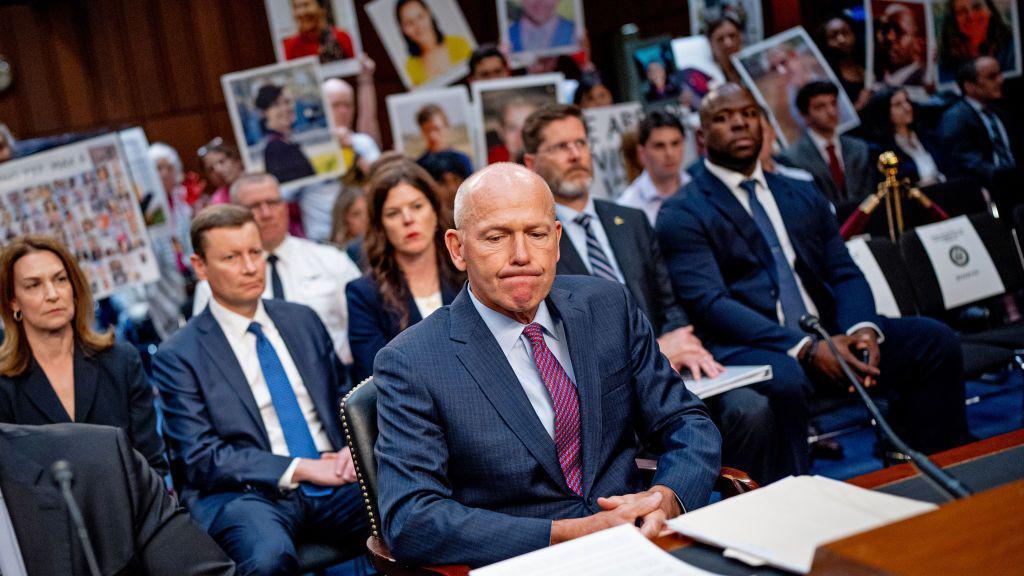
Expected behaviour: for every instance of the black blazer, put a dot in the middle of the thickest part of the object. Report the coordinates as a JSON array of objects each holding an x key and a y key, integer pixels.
[
  {"x": 110, "y": 389},
  {"x": 371, "y": 326},
  {"x": 136, "y": 527},
  {"x": 639, "y": 257},
  {"x": 968, "y": 150}
]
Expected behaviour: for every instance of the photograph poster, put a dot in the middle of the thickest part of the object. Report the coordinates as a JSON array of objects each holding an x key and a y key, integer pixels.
[
  {"x": 746, "y": 12},
  {"x": 281, "y": 122},
  {"x": 536, "y": 28},
  {"x": 967, "y": 29},
  {"x": 327, "y": 29},
  {"x": 148, "y": 188},
  {"x": 434, "y": 123},
  {"x": 502, "y": 107},
  {"x": 900, "y": 45},
  {"x": 606, "y": 125},
  {"x": 81, "y": 194}
]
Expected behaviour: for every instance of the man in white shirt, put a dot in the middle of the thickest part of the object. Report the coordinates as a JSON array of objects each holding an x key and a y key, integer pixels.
[
  {"x": 251, "y": 390},
  {"x": 660, "y": 148},
  {"x": 298, "y": 270}
]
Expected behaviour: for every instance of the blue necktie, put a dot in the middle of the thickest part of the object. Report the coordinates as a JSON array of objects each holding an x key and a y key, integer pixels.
[
  {"x": 789, "y": 293},
  {"x": 599, "y": 262},
  {"x": 289, "y": 414},
  {"x": 1000, "y": 150}
]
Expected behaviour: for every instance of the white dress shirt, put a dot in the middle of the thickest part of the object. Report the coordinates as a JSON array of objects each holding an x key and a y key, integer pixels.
[
  {"x": 927, "y": 170},
  {"x": 243, "y": 344},
  {"x": 311, "y": 274},
  {"x": 578, "y": 235},
  {"x": 11, "y": 561},
  {"x": 429, "y": 303},
  {"x": 732, "y": 181},
  {"x": 644, "y": 195},
  {"x": 519, "y": 353},
  {"x": 822, "y": 145}
]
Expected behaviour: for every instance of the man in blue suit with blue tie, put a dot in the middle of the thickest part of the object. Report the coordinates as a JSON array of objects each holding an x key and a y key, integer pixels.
[
  {"x": 510, "y": 419},
  {"x": 749, "y": 253},
  {"x": 250, "y": 390}
]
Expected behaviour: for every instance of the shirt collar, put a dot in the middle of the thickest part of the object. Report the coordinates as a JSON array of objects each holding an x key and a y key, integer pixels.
[
  {"x": 286, "y": 248},
  {"x": 566, "y": 214},
  {"x": 649, "y": 193},
  {"x": 506, "y": 330},
  {"x": 820, "y": 140},
  {"x": 234, "y": 324},
  {"x": 733, "y": 179}
]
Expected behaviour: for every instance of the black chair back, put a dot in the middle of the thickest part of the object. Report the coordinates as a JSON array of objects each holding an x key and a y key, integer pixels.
[
  {"x": 889, "y": 259},
  {"x": 359, "y": 420}
]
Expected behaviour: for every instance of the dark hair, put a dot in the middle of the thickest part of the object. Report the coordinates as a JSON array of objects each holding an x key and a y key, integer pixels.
[
  {"x": 876, "y": 117},
  {"x": 412, "y": 47},
  {"x": 437, "y": 164},
  {"x": 429, "y": 111},
  {"x": 483, "y": 52},
  {"x": 267, "y": 95},
  {"x": 658, "y": 119},
  {"x": 833, "y": 57},
  {"x": 710, "y": 26},
  {"x": 15, "y": 352},
  {"x": 587, "y": 83},
  {"x": 213, "y": 217},
  {"x": 340, "y": 234},
  {"x": 380, "y": 254},
  {"x": 955, "y": 48},
  {"x": 812, "y": 89},
  {"x": 967, "y": 73},
  {"x": 533, "y": 127}
]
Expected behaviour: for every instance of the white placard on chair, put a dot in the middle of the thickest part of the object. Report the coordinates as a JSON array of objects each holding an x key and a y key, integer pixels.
[
  {"x": 963, "y": 266},
  {"x": 885, "y": 301}
]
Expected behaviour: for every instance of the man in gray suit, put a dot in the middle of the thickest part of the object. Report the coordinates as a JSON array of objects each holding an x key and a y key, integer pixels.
[{"x": 839, "y": 163}]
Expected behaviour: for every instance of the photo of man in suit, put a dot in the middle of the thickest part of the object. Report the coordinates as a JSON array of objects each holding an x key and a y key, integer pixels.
[
  {"x": 510, "y": 419},
  {"x": 749, "y": 253},
  {"x": 135, "y": 526},
  {"x": 251, "y": 389}
]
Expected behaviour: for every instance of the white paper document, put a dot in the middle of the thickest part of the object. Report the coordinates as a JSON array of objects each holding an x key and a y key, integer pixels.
[
  {"x": 619, "y": 551},
  {"x": 963, "y": 266},
  {"x": 783, "y": 523},
  {"x": 733, "y": 377}
]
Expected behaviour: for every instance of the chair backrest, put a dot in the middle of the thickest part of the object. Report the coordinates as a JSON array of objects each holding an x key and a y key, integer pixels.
[
  {"x": 889, "y": 259},
  {"x": 359, "y": 420}
]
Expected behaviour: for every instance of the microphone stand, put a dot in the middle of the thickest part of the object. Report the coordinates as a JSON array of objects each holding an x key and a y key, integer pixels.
[
  {"x": 947, "y": 484},
  {"x": 62, "y": 475}
]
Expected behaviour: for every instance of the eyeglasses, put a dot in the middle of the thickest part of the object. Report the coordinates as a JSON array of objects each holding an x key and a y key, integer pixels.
[
  {"x": 580, "y": 144},
  {"x": 210, "y": 146}
]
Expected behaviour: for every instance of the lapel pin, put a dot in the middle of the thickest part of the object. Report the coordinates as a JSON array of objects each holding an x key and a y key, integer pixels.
[{"x": 618, "y": 221}]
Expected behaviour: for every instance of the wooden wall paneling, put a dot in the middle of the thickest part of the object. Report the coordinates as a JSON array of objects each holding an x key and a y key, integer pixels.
[
  {"x": 184, "y": 132},
  {"x": 249, "y": 31},
  {"x": 216, "y": 54},
  {"x": 180, "y": 62},
  {"x": 39, "y": 99},
  {"x": 8, "y": 102},
  {"x": 108, "y": 47},
  {"x": 143, "y": 57},
  {"x": 72, "y": 64}
]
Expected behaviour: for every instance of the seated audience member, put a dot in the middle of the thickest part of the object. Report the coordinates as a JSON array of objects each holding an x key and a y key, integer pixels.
[
  {"x": 53, "y": 367},
  {"x": 725, "y": 35},
  {"x": 251, "y": 390},
  {"x": 410, "y": 275},
  {"x": 316, "y": 36},
  {"x": 511, "y": 116},
  {"x": 660, "y": 147},
  {"x": 510, "y": 420},
  {"x": 349, "y": 221},
  {"x": 298, "y": 270},
  {"x": 592, "y": 92},
  {"x": 888, "y": 119},
  {"x": 839, "y": 163},
  {"x": 976, "y": 135},
  {"x": 750, "y": 253},
  {"x": 223, "y": 166},
  {"x": 629, "y": 154},
  {"x": 603, "y": 239},
  {"x": 437, "y": 135},
  {"x": 135, "y": 525},
  {"x": 449, "y": 171},
  {"x": 487, "y": 63}
]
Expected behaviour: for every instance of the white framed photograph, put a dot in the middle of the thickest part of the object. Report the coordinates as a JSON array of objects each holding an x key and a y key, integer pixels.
[
  {"x": 428, "y": 41},
  {"x": 502, "y": 107},
  {"x": 281, "y": 122},
  {"x": 605, "y": 126},
  {"x": 746, "y": 12},
  {"x": 777, "y": 68},
  {"x": 695, "y": 68},
  {"x": 900, "y": 45},
  {"x": 968, "y": 29},
  {"x": 536, "y": 28},
  {"x": 327, "y": 29},
  {"x": 432, "y": 122}
]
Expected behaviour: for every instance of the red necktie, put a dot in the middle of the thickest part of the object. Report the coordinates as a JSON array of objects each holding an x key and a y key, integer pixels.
[
  {"x": 566, "y": 404},
  {"x": 836, "y": 169}
]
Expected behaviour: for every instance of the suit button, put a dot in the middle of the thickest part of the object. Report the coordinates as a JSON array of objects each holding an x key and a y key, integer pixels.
[{"x": 775, "y": 293}]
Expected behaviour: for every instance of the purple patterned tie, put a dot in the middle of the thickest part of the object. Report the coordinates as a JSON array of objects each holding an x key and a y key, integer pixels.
[{"x": 566, "y": 405}]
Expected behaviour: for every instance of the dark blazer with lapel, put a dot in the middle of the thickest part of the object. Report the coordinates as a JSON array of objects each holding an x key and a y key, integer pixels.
[
  {"x": 467, "y": 472},
  {"x": 857, "y": 167},
  {"x": 219, "y": 445},
  {"x": 110, "y": 389},
  {"x": 136, "y": 527},
  {"x": 723, "y": 271},
  {"x": 371, "y": 325},
  {"x": 968, "y": 150},
  {"x": 636, "y": 251}
]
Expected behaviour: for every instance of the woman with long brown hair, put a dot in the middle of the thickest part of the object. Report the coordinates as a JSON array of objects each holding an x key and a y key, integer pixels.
[
  {"x": 53, "y": 366},
  {"x": 410, "y": 273}
]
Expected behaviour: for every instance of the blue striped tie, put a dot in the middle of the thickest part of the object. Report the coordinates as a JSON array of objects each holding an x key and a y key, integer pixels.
[
  {"x": 293, "y": 424},
  {"x": 600, "y": 265}
]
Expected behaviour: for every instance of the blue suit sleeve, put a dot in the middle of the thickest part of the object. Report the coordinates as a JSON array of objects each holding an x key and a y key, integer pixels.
[
  {"x": 365, "y": 334},
  {"x": 422, "y": 523}
]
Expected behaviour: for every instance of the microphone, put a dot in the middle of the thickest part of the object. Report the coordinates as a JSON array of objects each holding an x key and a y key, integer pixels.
[
  {"x": 947, "y": 484},
  {"x": 62, "y": 477}
]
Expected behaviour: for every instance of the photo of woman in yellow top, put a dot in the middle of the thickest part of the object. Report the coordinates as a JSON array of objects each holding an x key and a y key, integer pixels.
[{"x": 431, "y": 52}]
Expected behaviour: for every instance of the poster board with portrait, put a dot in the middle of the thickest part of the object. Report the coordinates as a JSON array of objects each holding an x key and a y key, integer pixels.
[
  {"x": 605, "y": 126},
  {"x": 83, "y": 195},
  {"x": 449, "y": 123},
  {"x": 156, "y": 211},
  {"x": 777, "y": 68},
  {"x": 327, "y": 29},
  {"x": 900, "y": 45},
  {"x": 405, "y": 27},
  {"x": 501, "y": 108},
  {"x": 536, "y": 28},
  {"x": 964, "y": 30},
  {"x": 747, "y": 12},
  {"x": 696, "y": 68},
  {"x": 282, "y": 122}
]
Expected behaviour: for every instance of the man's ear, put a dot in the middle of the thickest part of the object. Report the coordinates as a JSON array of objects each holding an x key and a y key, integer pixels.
[
  {"x": 529, "y": 159},
  {"x": 453, "y": 241},
  {"x": 198, "y": 266}
]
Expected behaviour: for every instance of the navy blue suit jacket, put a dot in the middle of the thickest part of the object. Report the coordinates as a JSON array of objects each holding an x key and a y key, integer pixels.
[
  {"x": 371, "y": 326},
  {"x": 968, "y": 149},
  {"x": 722, "y": 268},
  {"x": 468, "y": 473},
  {"x": 216, "y": 434}
]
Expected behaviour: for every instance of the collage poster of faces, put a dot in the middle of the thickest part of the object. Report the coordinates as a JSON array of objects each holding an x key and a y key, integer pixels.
[{"x": 83, "y": 195}]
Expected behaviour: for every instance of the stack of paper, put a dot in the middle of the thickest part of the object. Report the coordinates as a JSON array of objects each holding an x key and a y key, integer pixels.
[
  {"x": 783, "y": 523},
  {"x": 733, "y": 377},
  {"x": 619, "y": 551}
]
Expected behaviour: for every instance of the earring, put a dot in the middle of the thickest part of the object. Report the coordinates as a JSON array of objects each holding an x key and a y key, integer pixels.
[{"x": 17, "y": 315}]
